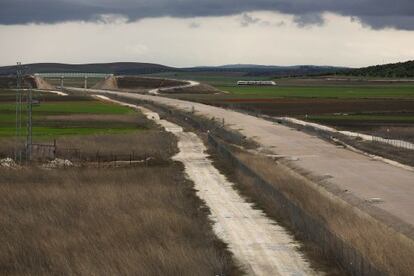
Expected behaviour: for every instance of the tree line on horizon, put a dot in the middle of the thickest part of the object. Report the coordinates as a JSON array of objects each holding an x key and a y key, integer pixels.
[{"x": 392, "y": 70}]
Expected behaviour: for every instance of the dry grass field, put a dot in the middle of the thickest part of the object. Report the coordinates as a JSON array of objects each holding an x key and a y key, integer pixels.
[
  {"x": 155, "y": 143},
  {"x": 137, "y": 221},
  {"x": 134, "y": 220}
]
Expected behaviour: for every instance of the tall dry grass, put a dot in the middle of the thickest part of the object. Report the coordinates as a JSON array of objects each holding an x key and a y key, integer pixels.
[
  {"x": 390, "y": 251},
  {"x": 154, "y": 143},
  {"x": 139, "y": 221}
]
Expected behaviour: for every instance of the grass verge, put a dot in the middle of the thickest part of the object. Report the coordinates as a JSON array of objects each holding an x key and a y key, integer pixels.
[{"x": 382, "y": 246}]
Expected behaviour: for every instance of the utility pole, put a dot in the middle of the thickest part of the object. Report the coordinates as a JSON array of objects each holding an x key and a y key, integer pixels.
[
  {"x": 19, "y": 80},
  {"x": 61, "y": 82},
  {"x": 29, "y": 138},
  {"x": 20, "y": 72},
  {"x": 86, "y": 82}
]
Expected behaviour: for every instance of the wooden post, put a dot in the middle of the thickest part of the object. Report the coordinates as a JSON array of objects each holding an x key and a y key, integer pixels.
[
  {"x": 54, "y": 149},
  {"x": 97, "y": 159}
]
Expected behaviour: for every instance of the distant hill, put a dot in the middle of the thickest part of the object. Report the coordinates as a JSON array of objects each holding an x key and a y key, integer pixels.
[
  {"x": 118, "y": 68},
  {"x": 269, "y": 70},
  {"x": 392, "y": 70},
  {"x": 134, "y": 68}
]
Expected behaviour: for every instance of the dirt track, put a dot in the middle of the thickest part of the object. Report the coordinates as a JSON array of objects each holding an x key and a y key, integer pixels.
[
  {"x": 353, "y": 173},
  {"x": 261, "y": 246},
  {"x": 157, "y": 91}
]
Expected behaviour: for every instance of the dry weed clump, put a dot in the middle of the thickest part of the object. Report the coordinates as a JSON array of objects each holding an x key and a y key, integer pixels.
[{"x": 137, "y": 221}]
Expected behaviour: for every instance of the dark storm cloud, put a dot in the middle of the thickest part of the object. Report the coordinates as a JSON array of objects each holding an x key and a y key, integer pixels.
[
  {"x": 374, "y": 13},
  {"x": 308, "y": 19}
]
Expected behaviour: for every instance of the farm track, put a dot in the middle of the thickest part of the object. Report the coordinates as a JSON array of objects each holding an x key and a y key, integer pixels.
[
  {"x": 166, "y": 89},
  {"x": 260, "y": 245}
]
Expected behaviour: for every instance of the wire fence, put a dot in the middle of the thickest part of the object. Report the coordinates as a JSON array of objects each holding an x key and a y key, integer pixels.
[
  {"x": 330, "y": 244},
  {"x": 48, "y": 152},
  {"x": 104, "y": 159},
  {"x": 399, "y": 143}
]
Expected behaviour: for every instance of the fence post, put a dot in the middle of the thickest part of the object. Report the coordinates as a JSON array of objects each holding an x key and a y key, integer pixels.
[
  {"x": 54, "y": 149},
  {"x": 98, "y": 160}
]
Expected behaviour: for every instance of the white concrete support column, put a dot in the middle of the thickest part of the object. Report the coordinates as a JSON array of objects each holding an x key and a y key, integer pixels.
[{"x": 61, "y": 81}]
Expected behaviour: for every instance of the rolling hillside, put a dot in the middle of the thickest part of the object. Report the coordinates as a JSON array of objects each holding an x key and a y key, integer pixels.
[
  {"x": 118, "y": 68},
  {"x": 395, "y": 70},
  {"x": 392, "y": 70},
  {"x": 269, "y": 70},
  {"x": 133, "y": 68}
]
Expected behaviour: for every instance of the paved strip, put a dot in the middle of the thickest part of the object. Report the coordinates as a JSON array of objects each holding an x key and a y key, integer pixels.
[{"x": 358, "y": 174}]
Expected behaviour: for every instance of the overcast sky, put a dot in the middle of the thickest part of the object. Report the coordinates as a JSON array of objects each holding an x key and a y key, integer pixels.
[{"x": 214, "y": 32}]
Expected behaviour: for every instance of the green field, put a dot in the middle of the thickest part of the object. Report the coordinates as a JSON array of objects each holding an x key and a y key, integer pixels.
[
  {"x": 306, "y": 87},
  {"x": 56, "y": 118},
  {"x": 81, "y": 107},
  {"x": 51, "y": 132},
  {"x": 211, "y": 78},
  {"x": 321, "y": 92}
]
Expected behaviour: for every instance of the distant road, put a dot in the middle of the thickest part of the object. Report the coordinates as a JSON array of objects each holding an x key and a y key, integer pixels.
[
  {"x": 350, "y": 171},
  {"x": 189, "y": 84}
]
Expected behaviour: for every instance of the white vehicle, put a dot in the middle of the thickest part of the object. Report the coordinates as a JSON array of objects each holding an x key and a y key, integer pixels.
[{"x": 268, "y": 83}]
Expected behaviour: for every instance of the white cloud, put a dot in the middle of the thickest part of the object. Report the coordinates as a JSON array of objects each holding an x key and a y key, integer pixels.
[
  {"x": 221, "y": 40},
  {"x": 194, "y": 25},
  {"x": 136, "y": 50}
]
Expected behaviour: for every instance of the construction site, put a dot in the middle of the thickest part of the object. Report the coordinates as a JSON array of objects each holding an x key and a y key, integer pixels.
[{"x": 184, "y": 176}]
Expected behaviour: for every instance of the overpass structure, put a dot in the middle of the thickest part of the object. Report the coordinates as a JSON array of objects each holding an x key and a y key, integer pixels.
[{"x": 70, "y": 75}]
